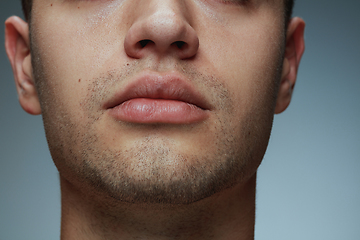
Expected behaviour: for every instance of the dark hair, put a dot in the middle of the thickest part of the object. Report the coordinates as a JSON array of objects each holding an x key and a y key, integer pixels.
[
  {"x": 27, "y": 5},
  {"x": 289, "y": 5}
]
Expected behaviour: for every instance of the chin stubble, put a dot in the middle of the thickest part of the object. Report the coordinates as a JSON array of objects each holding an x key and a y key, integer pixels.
[{"x": 154, "y": 169}]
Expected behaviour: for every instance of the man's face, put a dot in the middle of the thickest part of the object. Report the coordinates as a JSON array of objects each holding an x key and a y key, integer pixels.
[{"x": 157, "y": 101}]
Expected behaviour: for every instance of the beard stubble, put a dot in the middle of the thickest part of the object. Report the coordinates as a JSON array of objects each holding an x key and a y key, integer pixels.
[{"x": 153, "y": 169}]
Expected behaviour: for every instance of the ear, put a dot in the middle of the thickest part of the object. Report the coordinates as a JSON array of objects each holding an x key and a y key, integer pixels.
[
  {"x": 17, "y": 44},
  {"x": 294, "y": 49}
]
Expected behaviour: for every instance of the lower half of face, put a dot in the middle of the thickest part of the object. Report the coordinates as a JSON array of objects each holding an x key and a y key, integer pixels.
[{"x": 160, "y": 162}]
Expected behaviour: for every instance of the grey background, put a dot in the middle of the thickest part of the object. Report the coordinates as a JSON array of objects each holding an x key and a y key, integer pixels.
[{"x": 308, "y": 183}]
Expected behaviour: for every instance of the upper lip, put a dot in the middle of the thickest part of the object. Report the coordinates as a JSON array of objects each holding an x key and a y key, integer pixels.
[{"x": 152, "y": 85}]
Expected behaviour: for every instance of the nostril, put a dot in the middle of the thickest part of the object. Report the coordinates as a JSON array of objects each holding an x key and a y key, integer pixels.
[
  {"x": 145, "y": 42},
  {"x": 179, "y": 44}
]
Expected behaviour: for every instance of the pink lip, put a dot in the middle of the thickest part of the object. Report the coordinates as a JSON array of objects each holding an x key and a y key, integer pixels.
[{"x": 154, "y": 98}]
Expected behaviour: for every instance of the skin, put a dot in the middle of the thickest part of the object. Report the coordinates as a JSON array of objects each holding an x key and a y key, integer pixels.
[{"x": 122, "y": 180}]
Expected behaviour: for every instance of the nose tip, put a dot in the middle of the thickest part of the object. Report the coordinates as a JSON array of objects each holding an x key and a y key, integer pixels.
[{"x": 161, "y": 33}]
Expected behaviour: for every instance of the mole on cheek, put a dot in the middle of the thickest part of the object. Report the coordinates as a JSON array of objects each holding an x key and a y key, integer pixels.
[{"x": 79, "y": 79}]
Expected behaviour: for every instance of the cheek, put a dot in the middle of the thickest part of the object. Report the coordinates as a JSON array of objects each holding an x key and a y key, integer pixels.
[
  {"x": 66, "y": 62},
  {"x": 249, "y": 63},
  {"x": 74, "y": 47}
]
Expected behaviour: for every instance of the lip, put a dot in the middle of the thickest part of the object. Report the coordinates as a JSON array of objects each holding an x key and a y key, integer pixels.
[{"x": 158, "y": 98}]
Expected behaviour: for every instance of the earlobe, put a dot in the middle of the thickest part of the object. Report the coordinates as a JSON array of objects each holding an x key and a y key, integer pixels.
[
  {"x": 17, "y": 46},
  {"x": 294, "y": 50}
]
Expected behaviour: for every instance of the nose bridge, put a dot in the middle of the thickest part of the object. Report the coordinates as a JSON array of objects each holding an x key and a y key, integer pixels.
[{"x": 162, "y": 26}]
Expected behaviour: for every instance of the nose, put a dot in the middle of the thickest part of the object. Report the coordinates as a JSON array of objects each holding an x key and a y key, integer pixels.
[{"x": 161, "y": 29}]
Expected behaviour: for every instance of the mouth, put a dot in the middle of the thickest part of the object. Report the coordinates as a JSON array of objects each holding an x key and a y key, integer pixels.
[{"x": 154, "y": 98}]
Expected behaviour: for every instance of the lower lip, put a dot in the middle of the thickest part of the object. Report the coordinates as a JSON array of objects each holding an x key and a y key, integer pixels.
[{"x": 152, "y": 111}]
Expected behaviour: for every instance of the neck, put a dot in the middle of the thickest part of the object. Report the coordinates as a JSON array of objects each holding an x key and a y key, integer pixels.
[{"x": 227, "y": 215}]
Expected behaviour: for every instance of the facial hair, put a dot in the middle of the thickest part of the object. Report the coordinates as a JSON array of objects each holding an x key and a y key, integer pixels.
[{"x": 154, "y": 169}]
